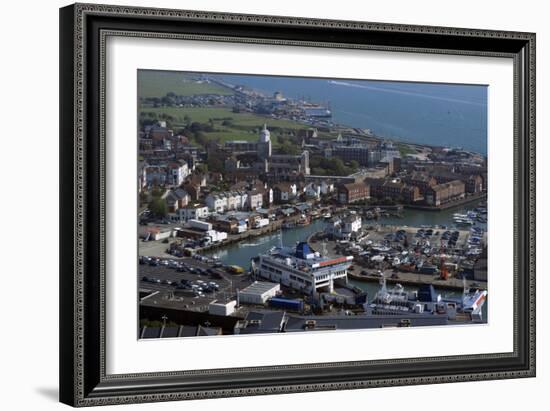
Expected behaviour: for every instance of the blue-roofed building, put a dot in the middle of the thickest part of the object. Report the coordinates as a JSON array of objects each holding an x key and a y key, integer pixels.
[{"x": 302, "y": 268}]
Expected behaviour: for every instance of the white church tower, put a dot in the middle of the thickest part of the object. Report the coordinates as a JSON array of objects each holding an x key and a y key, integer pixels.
[{"x": 264, "y": 143}]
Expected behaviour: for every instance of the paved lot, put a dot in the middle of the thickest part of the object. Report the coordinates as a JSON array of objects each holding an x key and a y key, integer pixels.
[
  {"x": 168, "y": 295},
  {"x": 154, "y": 248},
  {"x": 434, "y": 239}
]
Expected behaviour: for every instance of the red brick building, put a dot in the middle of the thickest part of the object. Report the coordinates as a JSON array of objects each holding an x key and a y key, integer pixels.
[
  {"x": 353, "y": 192},
  {"x": 443, "y": 193},
  {"x": 396, "y": 190}
]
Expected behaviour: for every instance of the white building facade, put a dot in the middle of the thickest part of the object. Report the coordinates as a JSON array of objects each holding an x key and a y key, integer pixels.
[
  {"x": 217, "y": 203},
  {"x": 190, "y": 213},
  {"x": 178, "y": 173},
  {"x": 255, "y": 200},
  {"x": 302, "y": 269}
]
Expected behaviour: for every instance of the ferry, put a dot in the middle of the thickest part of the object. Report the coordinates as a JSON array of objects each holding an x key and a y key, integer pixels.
[
  {"x": 302, "y": 268},
  {"x": 472, "y": 303},
  {"x": 316, "y": 110},
  {"x": 397, "y": 301}
]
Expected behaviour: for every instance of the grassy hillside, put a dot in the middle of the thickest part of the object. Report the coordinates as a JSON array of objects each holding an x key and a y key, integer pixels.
[
  {"x": 242, "y": 126},
  {"x": 405, "y": 149},
  {"x": 227, "y": 124},
  {"x": 152, "y": 83}
]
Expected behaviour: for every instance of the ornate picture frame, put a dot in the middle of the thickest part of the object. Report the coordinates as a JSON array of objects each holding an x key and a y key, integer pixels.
[{"x": 84, "y": 29}]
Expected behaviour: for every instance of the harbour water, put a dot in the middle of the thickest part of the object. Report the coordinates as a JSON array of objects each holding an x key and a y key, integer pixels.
[{"x": 242, "y": 253}]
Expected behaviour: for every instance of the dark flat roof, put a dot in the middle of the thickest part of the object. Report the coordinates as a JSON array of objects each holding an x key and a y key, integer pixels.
[
  {"x": 170, "y": 332},
  {"x": 356, "y": 322},
  {"x": 150, "y": 332}
]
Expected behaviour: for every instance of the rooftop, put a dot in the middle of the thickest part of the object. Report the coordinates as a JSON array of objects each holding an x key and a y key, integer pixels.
[
  {"x": 444, "y": 186},
  {"x": 259, "y": 287},
  {"x": 229, "y": 142},
  {"x": 341, "y": 322},
  {"x": 262, "y": 322},
  {"x": 304, "y": 258},
  {"x": 351, "y": 186}
]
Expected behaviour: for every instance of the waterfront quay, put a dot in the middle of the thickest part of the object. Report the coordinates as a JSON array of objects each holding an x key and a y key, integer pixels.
[
  {"x": 168, "y": 247},
  {"x": 451, "y": 204},
  {"x": 235, "y": 238}
]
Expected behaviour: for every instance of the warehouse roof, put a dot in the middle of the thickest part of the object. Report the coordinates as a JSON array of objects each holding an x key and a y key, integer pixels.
[{"x": 259, "y": 287}]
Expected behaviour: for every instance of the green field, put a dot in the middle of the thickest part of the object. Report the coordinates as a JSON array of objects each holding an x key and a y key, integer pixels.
[
  {"x": 405, "y": 149},
  {"x": 244, "y": 126},
  {"x": 152, "y": 83}
]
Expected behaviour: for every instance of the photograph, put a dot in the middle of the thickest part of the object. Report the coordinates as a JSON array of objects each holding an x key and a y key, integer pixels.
[{"x": 282, "y": 204}]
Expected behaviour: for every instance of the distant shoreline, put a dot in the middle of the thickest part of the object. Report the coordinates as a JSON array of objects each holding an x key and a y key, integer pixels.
[{"x": 397, "y": 139}]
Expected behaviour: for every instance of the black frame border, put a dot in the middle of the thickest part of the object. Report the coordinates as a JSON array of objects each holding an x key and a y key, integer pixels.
[{"x": 83, "y": 30}]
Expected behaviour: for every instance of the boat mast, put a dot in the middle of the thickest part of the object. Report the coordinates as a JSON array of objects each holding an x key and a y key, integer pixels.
[{"x": 464, "y": 290}]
